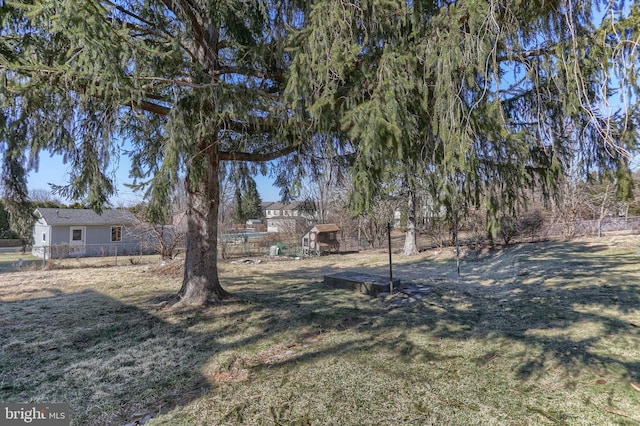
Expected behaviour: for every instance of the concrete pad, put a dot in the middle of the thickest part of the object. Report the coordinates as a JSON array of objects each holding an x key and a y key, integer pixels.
[{"x": 364, "y": 283}]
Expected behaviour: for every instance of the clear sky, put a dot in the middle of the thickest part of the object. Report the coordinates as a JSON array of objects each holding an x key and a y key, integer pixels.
[{"x": 53, "y": 170}]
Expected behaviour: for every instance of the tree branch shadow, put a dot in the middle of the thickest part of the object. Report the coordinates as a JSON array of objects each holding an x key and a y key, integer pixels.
[{"x": 115, "y": 361}]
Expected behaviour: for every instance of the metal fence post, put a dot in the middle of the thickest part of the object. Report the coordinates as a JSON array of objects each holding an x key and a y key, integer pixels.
[{"x": 390, "y": 267}]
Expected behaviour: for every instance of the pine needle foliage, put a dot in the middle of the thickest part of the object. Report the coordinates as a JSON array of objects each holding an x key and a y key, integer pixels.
[
  {"x": 178, "y": 86},
  {"x": 486, "y": 99}
]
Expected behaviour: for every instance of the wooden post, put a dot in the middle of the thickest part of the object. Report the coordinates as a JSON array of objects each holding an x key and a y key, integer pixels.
[{"x": 390, "y": 267}]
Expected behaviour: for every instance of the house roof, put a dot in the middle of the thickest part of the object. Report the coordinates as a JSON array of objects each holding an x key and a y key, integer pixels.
[
  {"x": 293, "y": 205},
  {"x": 57, "y": 217},
  {"x": 273, "y": 206},
  {"x": 327, "y": 227},
  {"x": 296, "y": 205}
]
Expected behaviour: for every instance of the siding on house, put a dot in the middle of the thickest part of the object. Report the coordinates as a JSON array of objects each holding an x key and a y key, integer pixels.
[
  {"x": 290, "y": 217},
  {"x": 83, "y": 232}
]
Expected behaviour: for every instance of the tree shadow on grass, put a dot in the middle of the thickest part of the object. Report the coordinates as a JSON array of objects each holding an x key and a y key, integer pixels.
[
  {"x": 543, "y": 295},
  {"x": 115, "y": 362},
  {"x": 527, "y": 287},
  {"x": 111, "y": 361},
  {"x": 573, "y": 305}
]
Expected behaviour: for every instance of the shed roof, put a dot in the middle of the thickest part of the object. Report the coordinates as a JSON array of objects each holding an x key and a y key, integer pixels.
[
  {"x": 57, "y": 217},
  {"x": 327, "y": 227}
]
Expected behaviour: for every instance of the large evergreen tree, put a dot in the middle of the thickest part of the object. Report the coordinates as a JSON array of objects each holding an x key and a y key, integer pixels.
[
  {"x": 5, "y": 229},
  {"x": 485, "y": 99},
  {"x": 248, "y": 203},
  {"x": 486, "y": 96},
  {"x": 187, "y": 84}
]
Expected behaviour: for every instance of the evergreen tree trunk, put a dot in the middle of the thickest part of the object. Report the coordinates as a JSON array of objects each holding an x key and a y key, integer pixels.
[
  {"x": 201, "y": 284},
  {"x": 410, "y": 245}
]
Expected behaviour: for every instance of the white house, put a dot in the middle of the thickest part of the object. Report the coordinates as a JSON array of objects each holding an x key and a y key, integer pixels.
[{"x": 290, "y": 217}]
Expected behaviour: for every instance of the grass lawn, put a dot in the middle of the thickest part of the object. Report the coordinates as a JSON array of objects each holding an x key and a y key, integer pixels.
[
  {"x": 14, "y": 260},
  {"x": 543, "y": 333}
]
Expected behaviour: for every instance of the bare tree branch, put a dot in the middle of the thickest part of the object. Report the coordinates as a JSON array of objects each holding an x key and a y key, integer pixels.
[{"x": 258, "y": 157}]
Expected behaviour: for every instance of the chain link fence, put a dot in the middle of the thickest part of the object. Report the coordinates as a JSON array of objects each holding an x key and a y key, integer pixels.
[
  {"x": 92, "y": 254},
  {"x": 263, "y": 244},
  {"x": 277, "y": 245}
]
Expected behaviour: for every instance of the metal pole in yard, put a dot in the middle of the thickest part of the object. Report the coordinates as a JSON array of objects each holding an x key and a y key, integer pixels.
[{"x": 390, "y": 267}]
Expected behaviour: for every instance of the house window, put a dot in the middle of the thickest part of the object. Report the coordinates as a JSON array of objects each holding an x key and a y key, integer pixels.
[
  {"x": 44, "y": 236},
  {"x": 76, "y": 235},
  {"x": 116, "y": 234},
  {"x": 332, "y": 236}
]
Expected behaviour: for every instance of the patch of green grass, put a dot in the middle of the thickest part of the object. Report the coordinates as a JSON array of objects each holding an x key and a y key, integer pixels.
[
  {"x": 16, "y": 260},
  {"x": 493, "y": 346}
]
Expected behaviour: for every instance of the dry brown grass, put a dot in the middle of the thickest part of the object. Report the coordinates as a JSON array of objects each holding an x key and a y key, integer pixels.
[{"x": 534, "y": 334}]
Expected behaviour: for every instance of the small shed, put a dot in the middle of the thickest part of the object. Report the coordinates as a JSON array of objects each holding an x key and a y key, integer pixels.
[{"x": 321, "y": 239}]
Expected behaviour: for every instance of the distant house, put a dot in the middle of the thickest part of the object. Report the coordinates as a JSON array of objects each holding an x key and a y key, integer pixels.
[
  {"x": 289, "y": 217},
  {"x": 83, "y": 232},
  {"x": 321, "y": 239}
]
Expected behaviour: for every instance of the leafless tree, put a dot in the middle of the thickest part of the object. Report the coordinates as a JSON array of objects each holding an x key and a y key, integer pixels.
[{"x": 43, "y": 196}]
